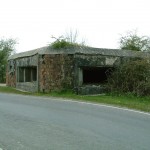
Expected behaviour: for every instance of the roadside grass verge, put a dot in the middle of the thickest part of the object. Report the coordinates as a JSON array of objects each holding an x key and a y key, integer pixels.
[
  {"x": 5, "y": 89},
  {"x": 127, "y": 101}
]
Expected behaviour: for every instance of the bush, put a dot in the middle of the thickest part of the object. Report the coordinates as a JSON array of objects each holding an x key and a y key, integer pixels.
[
  {"x": 131, "y": 77},
  {"x": 67, "y": 41},
  {"x": 62, "y": 43}
]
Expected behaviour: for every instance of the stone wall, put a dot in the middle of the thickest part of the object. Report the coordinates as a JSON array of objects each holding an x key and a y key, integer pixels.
[
  {"x": 27, "y": 62},
  {"x": 27, "y": 86},
  {"x": 60, "y": 71},
  {"x": 55, "y": 72},
  {"x": 82, "y": 60},
  {"x": 88, "y": 60},
  {"x": 11, "y": 73}
]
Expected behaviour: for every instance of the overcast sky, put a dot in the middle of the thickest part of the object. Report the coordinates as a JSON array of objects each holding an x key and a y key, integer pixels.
[{"x": 99, "y": 22}]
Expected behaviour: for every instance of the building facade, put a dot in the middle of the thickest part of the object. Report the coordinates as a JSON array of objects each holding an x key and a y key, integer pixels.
[{"x": 82, "y": 69}]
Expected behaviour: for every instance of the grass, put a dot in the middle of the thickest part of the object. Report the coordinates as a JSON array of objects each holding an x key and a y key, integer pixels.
[
  {"x": 4, "y": 89},
  {"x": 127, "y": 101}
]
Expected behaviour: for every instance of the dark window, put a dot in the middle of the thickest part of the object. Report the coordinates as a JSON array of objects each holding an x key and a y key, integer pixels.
[
  {"x": 21, "y": 74},
  {"x": 10, "y": 68},
  {"x": 27, "y": 74},
  {"x": 34, "y": 74},
  {"x": 95, "y": 75}
]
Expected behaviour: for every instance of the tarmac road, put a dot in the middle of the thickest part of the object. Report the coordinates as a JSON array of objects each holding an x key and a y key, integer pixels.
[{"x": 36, "y": 123}]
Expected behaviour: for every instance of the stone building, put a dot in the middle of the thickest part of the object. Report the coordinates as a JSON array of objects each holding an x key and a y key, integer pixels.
[{"x": 81, "y": 69}]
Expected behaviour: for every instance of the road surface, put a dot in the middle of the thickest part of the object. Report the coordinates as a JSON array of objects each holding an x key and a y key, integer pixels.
[{"x": 36, "y": 123}]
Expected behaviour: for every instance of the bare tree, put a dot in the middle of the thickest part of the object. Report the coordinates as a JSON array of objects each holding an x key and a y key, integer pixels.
[
  {"x": 69, "y": 39},
  {"x": 72, "y": 36}
]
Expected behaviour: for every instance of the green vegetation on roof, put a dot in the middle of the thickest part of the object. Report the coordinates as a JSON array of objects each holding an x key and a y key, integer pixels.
[{"x": 62, "y": 43}]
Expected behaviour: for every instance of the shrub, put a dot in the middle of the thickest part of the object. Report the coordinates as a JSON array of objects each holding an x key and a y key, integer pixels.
[
  {"x": 62, "y": 43},
  {"x": 70, "y": 40},
  {"x": 131, "y": 77}
]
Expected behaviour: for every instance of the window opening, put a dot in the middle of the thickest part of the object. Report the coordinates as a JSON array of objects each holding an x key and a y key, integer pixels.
[
  {"x": 34, "y": 74},
  {"x": 21, "y": 74},
  {"x": 27, "y": 74},
  {"x": 95, "y": 75}
]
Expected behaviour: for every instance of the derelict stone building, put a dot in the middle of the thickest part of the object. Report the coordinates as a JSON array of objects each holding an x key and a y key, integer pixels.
[{"x": 83, "y": 69}]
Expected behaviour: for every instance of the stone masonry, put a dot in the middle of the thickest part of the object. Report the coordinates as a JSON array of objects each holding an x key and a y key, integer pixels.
[
  {"x": 82, "y": 69},
  {"x": 55, "y": 72}
]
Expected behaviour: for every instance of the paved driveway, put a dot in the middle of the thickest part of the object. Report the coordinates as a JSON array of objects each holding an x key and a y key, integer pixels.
[{"x": 35, "y": 123}]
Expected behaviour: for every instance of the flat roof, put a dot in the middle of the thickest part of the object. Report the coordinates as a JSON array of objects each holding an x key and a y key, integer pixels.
[{"x": 81, "y": 50}]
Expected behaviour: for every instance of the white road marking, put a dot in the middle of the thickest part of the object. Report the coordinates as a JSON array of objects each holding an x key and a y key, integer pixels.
[
  {"x": 102, "y": 105},
  {"x": 88, "y": 103},
  {"x": 94, "y": 104}
]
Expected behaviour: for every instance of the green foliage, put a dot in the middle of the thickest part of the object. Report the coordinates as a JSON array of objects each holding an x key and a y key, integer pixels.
[
  {"x": 6, "y": 48},
  {"x": 132, "y": 41},
  {"x": 63, "y": 43},
  {"x": 70, "y": 40},
  {"x": 132, "y": 77}
]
